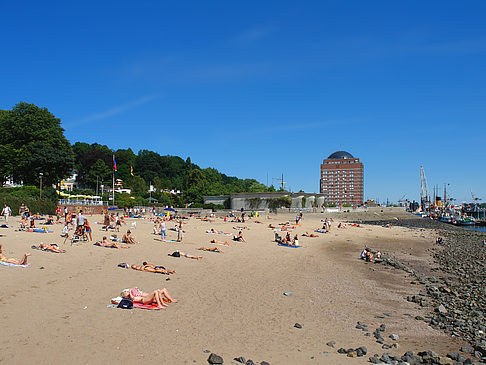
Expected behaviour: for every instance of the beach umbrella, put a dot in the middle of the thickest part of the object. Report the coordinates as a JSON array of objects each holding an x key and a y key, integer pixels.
[{"x": 170, "y": 209}]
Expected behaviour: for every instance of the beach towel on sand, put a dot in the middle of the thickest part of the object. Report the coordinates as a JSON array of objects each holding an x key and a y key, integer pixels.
[
  {"x": 281, "y": 244},
  {"x": 13, "y": 265}
]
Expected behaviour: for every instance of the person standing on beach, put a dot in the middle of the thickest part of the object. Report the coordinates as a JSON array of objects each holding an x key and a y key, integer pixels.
[
  {"x": 163, "y": 230},
  {"x": 81, "y": 219},
  {"x": 179, "y": 232},
  {"x": 6, "y": 211}
]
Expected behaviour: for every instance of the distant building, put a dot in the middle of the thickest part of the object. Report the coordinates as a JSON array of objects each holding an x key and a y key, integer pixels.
[
  {"x": 261, "y": 201},
  {"x": 342, "y": 179},
  {"x": 69, "y": 184}
]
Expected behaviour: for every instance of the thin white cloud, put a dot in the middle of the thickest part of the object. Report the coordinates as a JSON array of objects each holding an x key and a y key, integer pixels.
[{"x": 115, "y": 111}]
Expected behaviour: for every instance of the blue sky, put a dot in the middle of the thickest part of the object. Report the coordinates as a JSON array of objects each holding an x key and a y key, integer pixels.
[{"x": 264, "y": 87}]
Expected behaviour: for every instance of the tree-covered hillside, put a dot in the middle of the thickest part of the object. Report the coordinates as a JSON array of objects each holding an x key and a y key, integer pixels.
[{"x": 32, "y": 143}]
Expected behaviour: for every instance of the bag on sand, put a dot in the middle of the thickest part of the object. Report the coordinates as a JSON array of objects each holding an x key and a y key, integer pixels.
[{"x": 125, "y": 304}]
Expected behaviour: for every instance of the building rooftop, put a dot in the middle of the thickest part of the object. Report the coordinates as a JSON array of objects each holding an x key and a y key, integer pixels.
[{"x": 340, "y": 155}]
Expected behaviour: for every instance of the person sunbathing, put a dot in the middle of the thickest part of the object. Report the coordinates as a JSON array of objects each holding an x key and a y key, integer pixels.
[
  {"x": 212, "y": 249},
  {"x": 127, "y": 238},
  {"x": 152, "y": 268},
  {"x": 158, "y": 296},
  {"x": 221, "y": 242},
  {"x": 212, "y": 230},
  {"x": 307, "y": 234},
  {"x": 105, "y": 243},
  {"x": 22, "y": 261},
  {"x": 49, "y": 247},
  {"x": 239, "y": 237},
  {"x": 185, "y": 254},
  {"x": 271, "y": 226}
]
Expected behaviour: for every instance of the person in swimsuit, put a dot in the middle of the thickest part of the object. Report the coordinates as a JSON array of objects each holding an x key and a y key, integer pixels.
[
  {"x": 221, "y": 242},
  {"x": 49, "y": 247},
  {"x": 157, "y": 296},
  {"x": 307, "y": 234},
  {"x": 88, "y": 229},
  {"x": 106, "y": 243},
  {"x": 212, "y": 249},
  {"x": 127, "y": 238},
  {"x": 22, "y": 261},
  {"x": 152, "y": 268},
  {"x": 239, "y": 238},
  {"x": 185, "y": 254}
]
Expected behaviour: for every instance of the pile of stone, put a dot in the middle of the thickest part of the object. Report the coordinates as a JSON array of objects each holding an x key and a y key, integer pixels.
[
  {"x": 424, "y": 357},
  {"x": 214, "y": 359},
  {"x": 458, "y": 298}
]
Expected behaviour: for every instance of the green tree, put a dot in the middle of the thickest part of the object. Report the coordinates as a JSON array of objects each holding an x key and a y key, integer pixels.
[
  {"x": 98, "y": 172},
  {"x": 35, "y": 142},
  {"x": 139, "y": 186}
]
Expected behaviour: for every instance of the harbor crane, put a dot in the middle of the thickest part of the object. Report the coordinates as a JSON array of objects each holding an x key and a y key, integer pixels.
[
  {"x": 281, "y": 181},
  {"x": 403, "y": 201},
  {"x": 424, "y": 195},
  {"x": 474, "y": 197}
]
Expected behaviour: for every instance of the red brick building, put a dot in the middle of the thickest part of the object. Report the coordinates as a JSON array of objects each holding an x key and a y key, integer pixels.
[{"x": 342, "y": 179}]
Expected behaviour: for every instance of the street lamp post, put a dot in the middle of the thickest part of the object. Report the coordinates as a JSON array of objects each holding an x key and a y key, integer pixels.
[{"x": 40, "y": 178}]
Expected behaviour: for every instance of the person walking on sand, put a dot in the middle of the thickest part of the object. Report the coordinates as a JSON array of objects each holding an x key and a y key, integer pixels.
[{"x": 6, "y": 211}]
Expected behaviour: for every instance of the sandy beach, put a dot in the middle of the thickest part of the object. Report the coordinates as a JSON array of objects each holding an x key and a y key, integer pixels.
[{"x": 232, "y": 303}]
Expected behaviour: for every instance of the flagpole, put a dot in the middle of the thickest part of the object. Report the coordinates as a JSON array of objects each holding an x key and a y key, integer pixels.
[
  {"x": 113, "y": 186},
  {"x": 114, "y": 167}
]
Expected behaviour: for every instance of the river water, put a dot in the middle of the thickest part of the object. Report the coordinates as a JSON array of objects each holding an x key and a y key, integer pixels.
[{"x": 476, "y": 228}]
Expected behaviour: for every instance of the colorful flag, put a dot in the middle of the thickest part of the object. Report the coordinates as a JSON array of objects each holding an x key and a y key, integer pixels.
[
  {"x": 131, "y": 170},
  {"x": 114, "y": 163}
]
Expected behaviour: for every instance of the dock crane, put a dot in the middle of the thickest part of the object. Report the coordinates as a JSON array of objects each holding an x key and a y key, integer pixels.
[
  {"x": 403, "y": 201},
  {"x": 424, "y": 195},
  {"x": 281, "y": 181},
  {"x": 475, "y": 200}
]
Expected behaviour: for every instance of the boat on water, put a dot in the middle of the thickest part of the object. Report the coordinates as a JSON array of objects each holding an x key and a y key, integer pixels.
[
  {"x": 464, "y": 221},
  {"x": 446, "y": 218}
]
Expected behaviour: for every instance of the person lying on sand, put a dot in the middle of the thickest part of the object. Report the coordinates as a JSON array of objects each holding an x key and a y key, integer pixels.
[
  {"x": 307, "y": 234},
  {"x": 272, "y": 226},
  {"x": 158, "y": 296},
  {"x": 127, "y": 238},
  {"x": 239, "y": 237},
  {"x": 106, "y": 243},
  {"x": 152, "y": 268},
  {"x": 48, "y": 247},
  {"x": 340, "y": 225},
  {"x": 185, "y": 254},
  {"x": 221, "y": 242},
  {"x": 212, "y": 249},
  {"x": 22, "y": 261}
]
